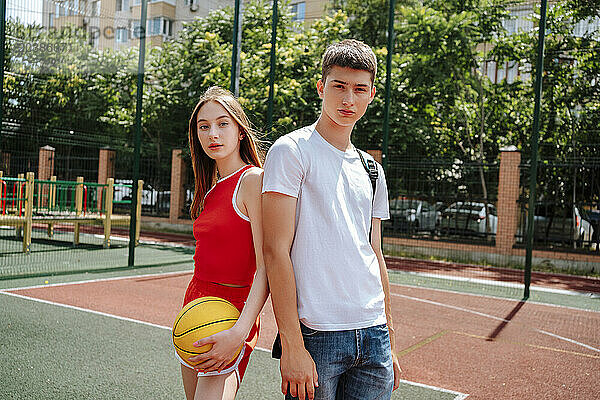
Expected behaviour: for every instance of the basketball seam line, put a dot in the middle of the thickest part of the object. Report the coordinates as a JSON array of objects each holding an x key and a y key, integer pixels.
[
  {"x": 202, "y": 326},
  {"x": 201, "y": 302}
]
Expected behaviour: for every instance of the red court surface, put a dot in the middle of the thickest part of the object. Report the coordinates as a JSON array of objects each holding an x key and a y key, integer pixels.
[{"x": 486, "y": 347}]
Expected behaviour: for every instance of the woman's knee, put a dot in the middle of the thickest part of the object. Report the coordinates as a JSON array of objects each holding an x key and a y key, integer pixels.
[{"x": 217, "y": 387}]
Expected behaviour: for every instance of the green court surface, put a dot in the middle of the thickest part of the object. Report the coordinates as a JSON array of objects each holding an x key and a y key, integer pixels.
[
  {"x": 584, "y": 301},
  {"x": 72, "y": 354}
]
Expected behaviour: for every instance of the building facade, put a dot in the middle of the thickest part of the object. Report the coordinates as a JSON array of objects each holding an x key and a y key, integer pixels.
[
  {"x": 115, "y": 23},
  {"x": 521, "y": 21}
]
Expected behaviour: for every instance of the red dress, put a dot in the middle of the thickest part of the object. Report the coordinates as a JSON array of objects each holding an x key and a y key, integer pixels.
[{"x": 225, "y": 255}]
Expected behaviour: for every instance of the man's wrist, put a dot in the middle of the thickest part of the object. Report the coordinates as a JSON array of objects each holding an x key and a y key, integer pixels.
[{"x": 291, "y": 341}]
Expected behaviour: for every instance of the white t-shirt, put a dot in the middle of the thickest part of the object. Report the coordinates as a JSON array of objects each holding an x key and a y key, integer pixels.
[{"x": 338, "y": 282}]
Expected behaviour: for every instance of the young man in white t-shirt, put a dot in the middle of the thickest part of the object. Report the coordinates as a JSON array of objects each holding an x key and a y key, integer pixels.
[{"x": 328, "y": 280}]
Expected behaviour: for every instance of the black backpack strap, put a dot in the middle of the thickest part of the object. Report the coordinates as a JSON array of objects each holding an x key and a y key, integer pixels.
[{"x": 371, "y": 169}]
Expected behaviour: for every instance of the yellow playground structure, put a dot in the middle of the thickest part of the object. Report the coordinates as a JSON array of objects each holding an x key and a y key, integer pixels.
[{"x": 27, "y": 203}]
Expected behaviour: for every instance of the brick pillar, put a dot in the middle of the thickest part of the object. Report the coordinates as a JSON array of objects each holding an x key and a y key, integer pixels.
[
  {"x": 106, "y": 169},
  {"x": 376, "y": 154},
  {"x": 178, "y": 177},
  {"x": 508, "y": 196},
  {"x": 45, "y": 171},
  {"x": 5, "y": 163},
  {"x": 46, "y": 163}
]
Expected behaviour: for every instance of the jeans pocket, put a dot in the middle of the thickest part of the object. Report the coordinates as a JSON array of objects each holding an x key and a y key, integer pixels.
[{"x": 306, "y": 331}]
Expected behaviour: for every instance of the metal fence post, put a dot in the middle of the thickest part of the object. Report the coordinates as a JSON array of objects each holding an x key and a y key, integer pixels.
[
  {"x": 388, "y": 85},
  {"x": 534, "y": 147},
  {"x": 138, "y": 136},
  {"x": 274, "y": 21},
  {"x": 2, "y": 44},
  {"x": 236, "y": 50}
]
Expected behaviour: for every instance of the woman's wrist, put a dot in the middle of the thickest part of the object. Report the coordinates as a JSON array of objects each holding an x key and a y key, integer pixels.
[{"x": 240, "y": 331}]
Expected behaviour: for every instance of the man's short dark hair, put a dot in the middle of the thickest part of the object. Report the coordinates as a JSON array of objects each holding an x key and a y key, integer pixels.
[{"x": 349, "y": 53}]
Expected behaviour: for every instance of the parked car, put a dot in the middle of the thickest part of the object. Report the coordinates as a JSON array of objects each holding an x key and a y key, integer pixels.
[
  {"x": 561, "y": 226},
  {"x": 583, "y": 228},
  {"x": 407, "y": 215},
  {"x": 469, "y": 218},
  {"x": 593, "y": 216}
]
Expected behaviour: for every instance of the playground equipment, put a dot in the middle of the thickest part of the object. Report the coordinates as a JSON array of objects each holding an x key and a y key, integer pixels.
[{"x": 26, "y": 202}]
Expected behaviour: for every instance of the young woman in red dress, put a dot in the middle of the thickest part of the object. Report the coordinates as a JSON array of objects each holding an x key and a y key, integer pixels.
[{"x": 228, "y": 261}]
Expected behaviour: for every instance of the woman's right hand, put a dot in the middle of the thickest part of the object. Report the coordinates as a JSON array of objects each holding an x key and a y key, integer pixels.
[{"x": 225, "y": 344}]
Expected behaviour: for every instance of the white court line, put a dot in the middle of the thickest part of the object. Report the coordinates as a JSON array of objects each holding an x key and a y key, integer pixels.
[
  {"x": 493, "y": 317},
  {"x": 568, "y": 340},
  {"x": 511, "y": 285},
  {"x": 435, "y": 303},
  {"x": 459, "y": 396},
  {"x": 487, "y": 296},
  {"x": 20, "y": 296}
]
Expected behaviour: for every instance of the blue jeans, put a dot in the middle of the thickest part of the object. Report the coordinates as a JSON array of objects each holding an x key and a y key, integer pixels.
[{"x": 352, "y": 364}]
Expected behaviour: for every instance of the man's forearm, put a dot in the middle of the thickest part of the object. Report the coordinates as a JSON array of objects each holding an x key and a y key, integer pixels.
[{"x": 283, "y": 294}]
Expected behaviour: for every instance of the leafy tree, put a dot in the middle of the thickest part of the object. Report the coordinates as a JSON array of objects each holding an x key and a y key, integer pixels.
[
  {"x": 442, "y": 106},
  {"x": 49, "y": 96}
]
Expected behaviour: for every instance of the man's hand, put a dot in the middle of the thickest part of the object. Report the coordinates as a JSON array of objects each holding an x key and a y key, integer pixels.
[
  {"x": 397, "y": 372},
  {"x": 298, "y": 374}
]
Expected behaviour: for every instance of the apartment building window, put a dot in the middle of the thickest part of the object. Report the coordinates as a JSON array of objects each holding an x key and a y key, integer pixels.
[
  {"x": 72, "y": 7},
  {"x": 136, "y": 29},
  {"x": 298, "y": 10},
  {"x": 518, "y": 22},
  {"x": 490, "y": 70},
  {"x": 512, "y": 72},
  {"x": 121, "y": 35},
  {"x": 61, "y": 11},
  {"x": 95, "y": 40},
  {"x": 510, "y": 25},
  {"x": 156, "y": 27},
  {"x": 167, "y": 27},
  {"x": 51, "y": 21},
  {"x": 161, "y": 26},
  {"x": 586, "y": 27},
  {"x": 95, "y": 11},
  {"x": 525, "y": 71},
  {"x": 122, "y": 5}
]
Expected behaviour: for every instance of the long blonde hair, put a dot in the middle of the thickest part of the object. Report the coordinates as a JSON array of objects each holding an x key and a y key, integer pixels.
[{"x": 205, "y": 168}]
